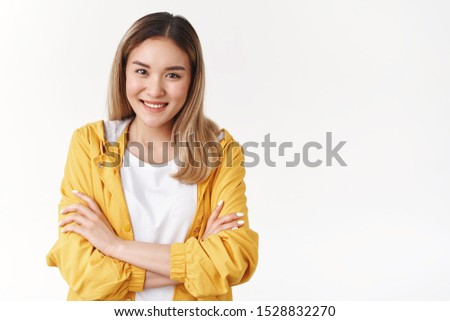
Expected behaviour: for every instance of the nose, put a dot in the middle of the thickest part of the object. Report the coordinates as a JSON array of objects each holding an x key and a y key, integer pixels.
[{"x": 155, "y": 87}]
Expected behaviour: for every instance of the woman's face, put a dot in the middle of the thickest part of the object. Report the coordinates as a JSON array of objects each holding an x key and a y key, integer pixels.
[{"x": 158, "y": 76}]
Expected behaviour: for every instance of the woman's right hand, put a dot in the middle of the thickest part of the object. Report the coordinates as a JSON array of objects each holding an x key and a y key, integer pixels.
[{"x": 217, "y": 224}]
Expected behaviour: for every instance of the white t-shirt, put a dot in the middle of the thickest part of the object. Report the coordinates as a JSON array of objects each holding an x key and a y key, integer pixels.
[{"x": 161, "y": 208}]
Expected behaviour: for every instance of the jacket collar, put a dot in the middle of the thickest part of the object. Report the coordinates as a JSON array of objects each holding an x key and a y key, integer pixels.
[{"x": 114, "y": 138}]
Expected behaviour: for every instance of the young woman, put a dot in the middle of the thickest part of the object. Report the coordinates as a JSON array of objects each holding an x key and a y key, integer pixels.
[{"x": 153, "y": 200}]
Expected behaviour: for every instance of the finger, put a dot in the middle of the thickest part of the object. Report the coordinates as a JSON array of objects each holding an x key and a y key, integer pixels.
[
  {"x": 94, "y": 210},
  {"x": 228, "y": 226},
  {"x": 76, "y": 207},
  {"x": 215, "y": 213},
  {"x": 224, "y": 227},
  {"x": 73, "y": 218},
  {"x": 229, "y": 218},
  {"x": 73, "y": 228},
  {"x": 231, "y": 226},
  {"x": 89, "y": 201}
]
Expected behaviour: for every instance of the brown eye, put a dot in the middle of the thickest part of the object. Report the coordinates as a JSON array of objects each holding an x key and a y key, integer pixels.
[
  {"x": 142, "y": 72},
  {"x": 173, "y": 75}
]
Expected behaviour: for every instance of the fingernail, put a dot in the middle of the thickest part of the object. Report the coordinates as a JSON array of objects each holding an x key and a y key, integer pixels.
[
  {"x": 239, "y": 214},
  {"x": 75, "y": 191},
  {"x": 220, "y": 203},
  {"x": 240, "y": 222},
  {"x": 63, "y": 230},
  {"x": 59, "y": 223},
  {"x": 235, "y": 228},
  {"x": 62, "y": 211}
]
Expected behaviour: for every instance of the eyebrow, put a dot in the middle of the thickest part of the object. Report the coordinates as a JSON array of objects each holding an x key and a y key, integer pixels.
[{"x": 168, "y": 68}]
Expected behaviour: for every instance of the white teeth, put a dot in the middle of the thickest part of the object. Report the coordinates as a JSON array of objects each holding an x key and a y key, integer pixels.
[{"x": 154, "y": 105}]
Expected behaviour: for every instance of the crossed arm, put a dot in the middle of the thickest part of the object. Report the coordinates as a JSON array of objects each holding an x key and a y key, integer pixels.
[{"x": 90, "y": 222}]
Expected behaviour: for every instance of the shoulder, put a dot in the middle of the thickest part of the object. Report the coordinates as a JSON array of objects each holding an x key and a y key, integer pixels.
[
  {"x": 88, "y": 138},
  {"x": 103, "y": 130},
  {"x": 90, "y": 131},
  {"x": 232, "y": 151},
  {"x": 228, "y": 143},
  {"x": 225, "y": 138}
]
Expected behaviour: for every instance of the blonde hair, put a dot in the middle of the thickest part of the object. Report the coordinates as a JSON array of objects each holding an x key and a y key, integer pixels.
[{"x": 190, "y": 124}]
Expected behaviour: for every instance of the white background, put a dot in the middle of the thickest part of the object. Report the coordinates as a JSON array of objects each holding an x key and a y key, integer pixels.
[{"x": 374, "y": 73}]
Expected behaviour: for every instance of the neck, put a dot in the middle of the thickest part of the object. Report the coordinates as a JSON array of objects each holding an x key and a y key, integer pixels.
[
  {"x": 155, "y": 142},
  {"x": 139, "y": 132}
]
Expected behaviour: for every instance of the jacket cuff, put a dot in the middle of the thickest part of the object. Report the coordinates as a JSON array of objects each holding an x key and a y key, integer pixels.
[
  {"x": 137, "y": 279},
  {"x": 178, "y": 262}
]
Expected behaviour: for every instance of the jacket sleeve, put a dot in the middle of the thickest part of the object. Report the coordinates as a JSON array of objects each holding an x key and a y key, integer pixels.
[
  {"x": 210, "y": 267},
  {"x": 90, "y": 274}
]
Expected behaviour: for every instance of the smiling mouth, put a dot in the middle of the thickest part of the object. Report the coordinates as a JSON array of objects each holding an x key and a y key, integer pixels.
[{"x": 154, "y": 105}]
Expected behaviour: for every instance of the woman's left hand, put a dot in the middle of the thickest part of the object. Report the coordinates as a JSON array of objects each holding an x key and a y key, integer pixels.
[{"x": 90, "y": 223}]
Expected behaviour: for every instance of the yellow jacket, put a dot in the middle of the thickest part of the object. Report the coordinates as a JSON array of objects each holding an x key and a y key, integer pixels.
[{"x": 207, "y": 268}]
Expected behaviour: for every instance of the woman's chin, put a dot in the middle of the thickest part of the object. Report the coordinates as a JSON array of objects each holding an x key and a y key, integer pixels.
[{"x": 155, "y": 124}]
